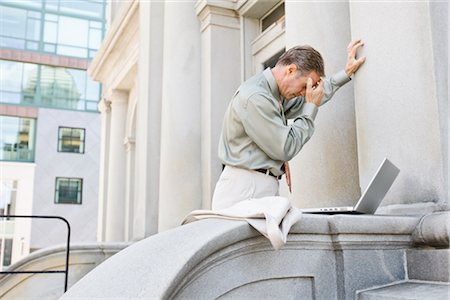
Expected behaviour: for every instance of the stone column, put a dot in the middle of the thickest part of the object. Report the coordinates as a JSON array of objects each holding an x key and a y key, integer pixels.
[
  {"x": 325, "y": 172},
  {"x": 129, "y": 144},
  {"x": 180, "y": 179},
  {"x": 439, "y": 14},
  {"x": 148, "y": 118},
  {"x": 220, "y": 69},
  {"x": 397, "y": 102},
  {"x": 105, "y": 109},
  {"x": 115, "y": 208}
]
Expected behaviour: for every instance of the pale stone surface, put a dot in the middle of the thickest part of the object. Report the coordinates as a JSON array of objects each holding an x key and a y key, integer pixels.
[
  {"x": 439, "y": 12},
  {"x": 329, "y": 159},
  {"x": 433, "y": 230},
  {"x": 408, "y": 291},
  {"x": 220, "y": 77},
  {"x": 83, "y": 258},
  {"x": 396, "y": 103},
  {"x": 180, "y": 177},
  {"x": 429, "y": 264},
  {"x": 115, "y": 207},
  {"x": 297, "y": 287},
  {"x": 148, "y": 117},
  {"x": 319, "y": 248}
]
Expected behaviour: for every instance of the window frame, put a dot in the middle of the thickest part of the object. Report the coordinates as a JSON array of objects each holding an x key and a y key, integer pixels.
[
  {"x": 43, "y": 9},
  {"x": 21, "y": 94},
  {"x": 31, "y": 147},
  {"x": 61, "y": 139},
  {"x": 79, "y": 192}
]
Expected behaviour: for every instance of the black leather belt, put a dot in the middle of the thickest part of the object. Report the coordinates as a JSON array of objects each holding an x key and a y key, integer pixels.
[{"x": 268, "y": 172}]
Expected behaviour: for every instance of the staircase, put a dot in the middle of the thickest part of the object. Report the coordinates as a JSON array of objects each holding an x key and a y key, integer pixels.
[{"x": 428, "y": 267}]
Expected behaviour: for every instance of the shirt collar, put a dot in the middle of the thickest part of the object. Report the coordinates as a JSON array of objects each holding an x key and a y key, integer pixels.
[{"x": 272, "y": 83}]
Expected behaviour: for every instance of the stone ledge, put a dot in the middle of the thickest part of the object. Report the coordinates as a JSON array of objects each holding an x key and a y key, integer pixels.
[
  {"x": 170, "y": 264},
  {"x": 429, "y": 264},
  {"x": 83, "y": 258},
  {"x": 433, "y": 230},
  {"x": 410, "y": 290},
  {"x": 355, "y": 224}
]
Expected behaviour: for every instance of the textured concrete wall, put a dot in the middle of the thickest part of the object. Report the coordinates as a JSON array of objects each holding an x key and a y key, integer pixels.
[
  {"x": 180, "y": 176},
  {"x": 326, "y": 170},
  {"x": 326, "y": 257},
  {"x": 83, "y": 259},
  {"x": 439, "y": 13},
  {"x": 397, "y": 104}
]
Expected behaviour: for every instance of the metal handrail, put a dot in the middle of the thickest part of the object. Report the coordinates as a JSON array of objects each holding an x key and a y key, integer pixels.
[{"x": 66, "y": 271}]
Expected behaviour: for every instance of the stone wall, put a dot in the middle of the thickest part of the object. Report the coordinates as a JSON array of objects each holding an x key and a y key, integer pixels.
[
  {"x": 83, "y": 258},
  {"x": 326, "y": 257}
]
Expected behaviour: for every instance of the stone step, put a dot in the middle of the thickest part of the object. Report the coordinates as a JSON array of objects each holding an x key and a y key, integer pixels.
[
  {"x": 428, "y": 264},
  {"x": 411, "y": 290}
]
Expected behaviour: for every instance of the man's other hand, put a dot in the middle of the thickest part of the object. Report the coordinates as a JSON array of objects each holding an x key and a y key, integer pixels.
[
  {"x": 314, "y": 94},
  {"x": 352, "y": 63}
]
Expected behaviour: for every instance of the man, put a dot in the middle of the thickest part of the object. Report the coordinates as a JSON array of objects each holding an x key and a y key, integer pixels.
[{"x": 256, "y": 140}]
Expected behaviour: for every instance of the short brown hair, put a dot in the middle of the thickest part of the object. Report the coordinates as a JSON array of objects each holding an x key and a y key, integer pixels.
[{"x": 306, "y": 58}]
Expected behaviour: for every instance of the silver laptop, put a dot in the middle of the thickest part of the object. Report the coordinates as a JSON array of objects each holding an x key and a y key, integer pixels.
[{"x": 372, "y": 196}]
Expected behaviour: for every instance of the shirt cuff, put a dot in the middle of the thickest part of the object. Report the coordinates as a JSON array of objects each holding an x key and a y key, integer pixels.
[
  {"x": 309, "y": 110},
  {"x": 341, "y": 78}
]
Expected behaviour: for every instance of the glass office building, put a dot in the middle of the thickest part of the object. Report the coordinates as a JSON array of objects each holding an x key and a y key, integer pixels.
[
  {"x": 49, "y": 121},
  {"x": 68, "y": 28},
  {"x": 47, "y": 86}
]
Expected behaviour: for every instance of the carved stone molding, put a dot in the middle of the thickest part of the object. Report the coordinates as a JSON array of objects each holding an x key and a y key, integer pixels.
[
  {"x": 129, "y": 143},
  {"x": 219, "y": 13},
  {"x": 104, "y": 106}
]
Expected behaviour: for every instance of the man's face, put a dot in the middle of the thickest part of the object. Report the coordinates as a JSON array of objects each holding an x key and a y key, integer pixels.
[{"x": 294, "y": 84}]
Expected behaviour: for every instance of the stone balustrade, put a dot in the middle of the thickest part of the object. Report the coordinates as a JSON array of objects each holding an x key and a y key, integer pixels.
[
  {"x": 326, "y": 257},
  {"x": 83, "y": 258}
]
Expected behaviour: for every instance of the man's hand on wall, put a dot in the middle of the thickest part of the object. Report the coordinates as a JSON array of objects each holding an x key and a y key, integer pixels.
[{"x": 352, "y": 63}]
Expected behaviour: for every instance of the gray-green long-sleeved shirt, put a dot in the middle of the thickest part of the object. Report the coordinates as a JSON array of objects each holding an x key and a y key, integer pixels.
[{"x": 255, "y": 134}]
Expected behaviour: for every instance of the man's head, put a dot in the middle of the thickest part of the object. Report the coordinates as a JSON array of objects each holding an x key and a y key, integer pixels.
[{"x": 294, "y": 68}]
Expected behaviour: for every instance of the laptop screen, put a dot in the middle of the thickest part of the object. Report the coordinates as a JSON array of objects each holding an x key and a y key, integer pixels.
[{"x": 377, "y": 188}]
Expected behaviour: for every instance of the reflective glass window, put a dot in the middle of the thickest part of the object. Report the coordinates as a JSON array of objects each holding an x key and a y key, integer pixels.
[
  {"x": 17, "y": 140},
  {"x": 70, "y": 28},
  {"x": 13, "y": 22},
  {"x": 47, "y": 86},
  {"x": 10, "y": 82},
  {"x": 68, "y": 190},
  {"x": 6, "y": 248},
  {"x": 73, "y": 31},
  {"x": 86, "y": 8},
  {"x": 34, "y": 4},
  {"x": 50, "y": 32},
  {"x": 71, "y": 139}
]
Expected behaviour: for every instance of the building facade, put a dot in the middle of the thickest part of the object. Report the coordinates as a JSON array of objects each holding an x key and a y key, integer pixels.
[
  {"x": 50, "y": 124},
  {"x": 169, "y": 69}
]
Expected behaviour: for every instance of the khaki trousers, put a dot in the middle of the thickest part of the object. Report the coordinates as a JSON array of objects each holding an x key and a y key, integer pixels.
[{"x": 236, "y": 184}]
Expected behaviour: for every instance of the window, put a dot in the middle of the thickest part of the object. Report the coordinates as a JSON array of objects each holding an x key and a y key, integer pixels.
[
  {"x": 70, "y": 28},
  {"x": 68, "y": 190},
  {"x": 271, "y": 62},
  {"x": 6, "y": 248},
  {"x": 47, "y": 86},
  {"x": 8, "y": 195},
  {"x": 71, "y": 140},
  {"x": 17, "y": 140},
  {"x": 272, "y": 17},
  {"x": 264, "y": 35}
]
